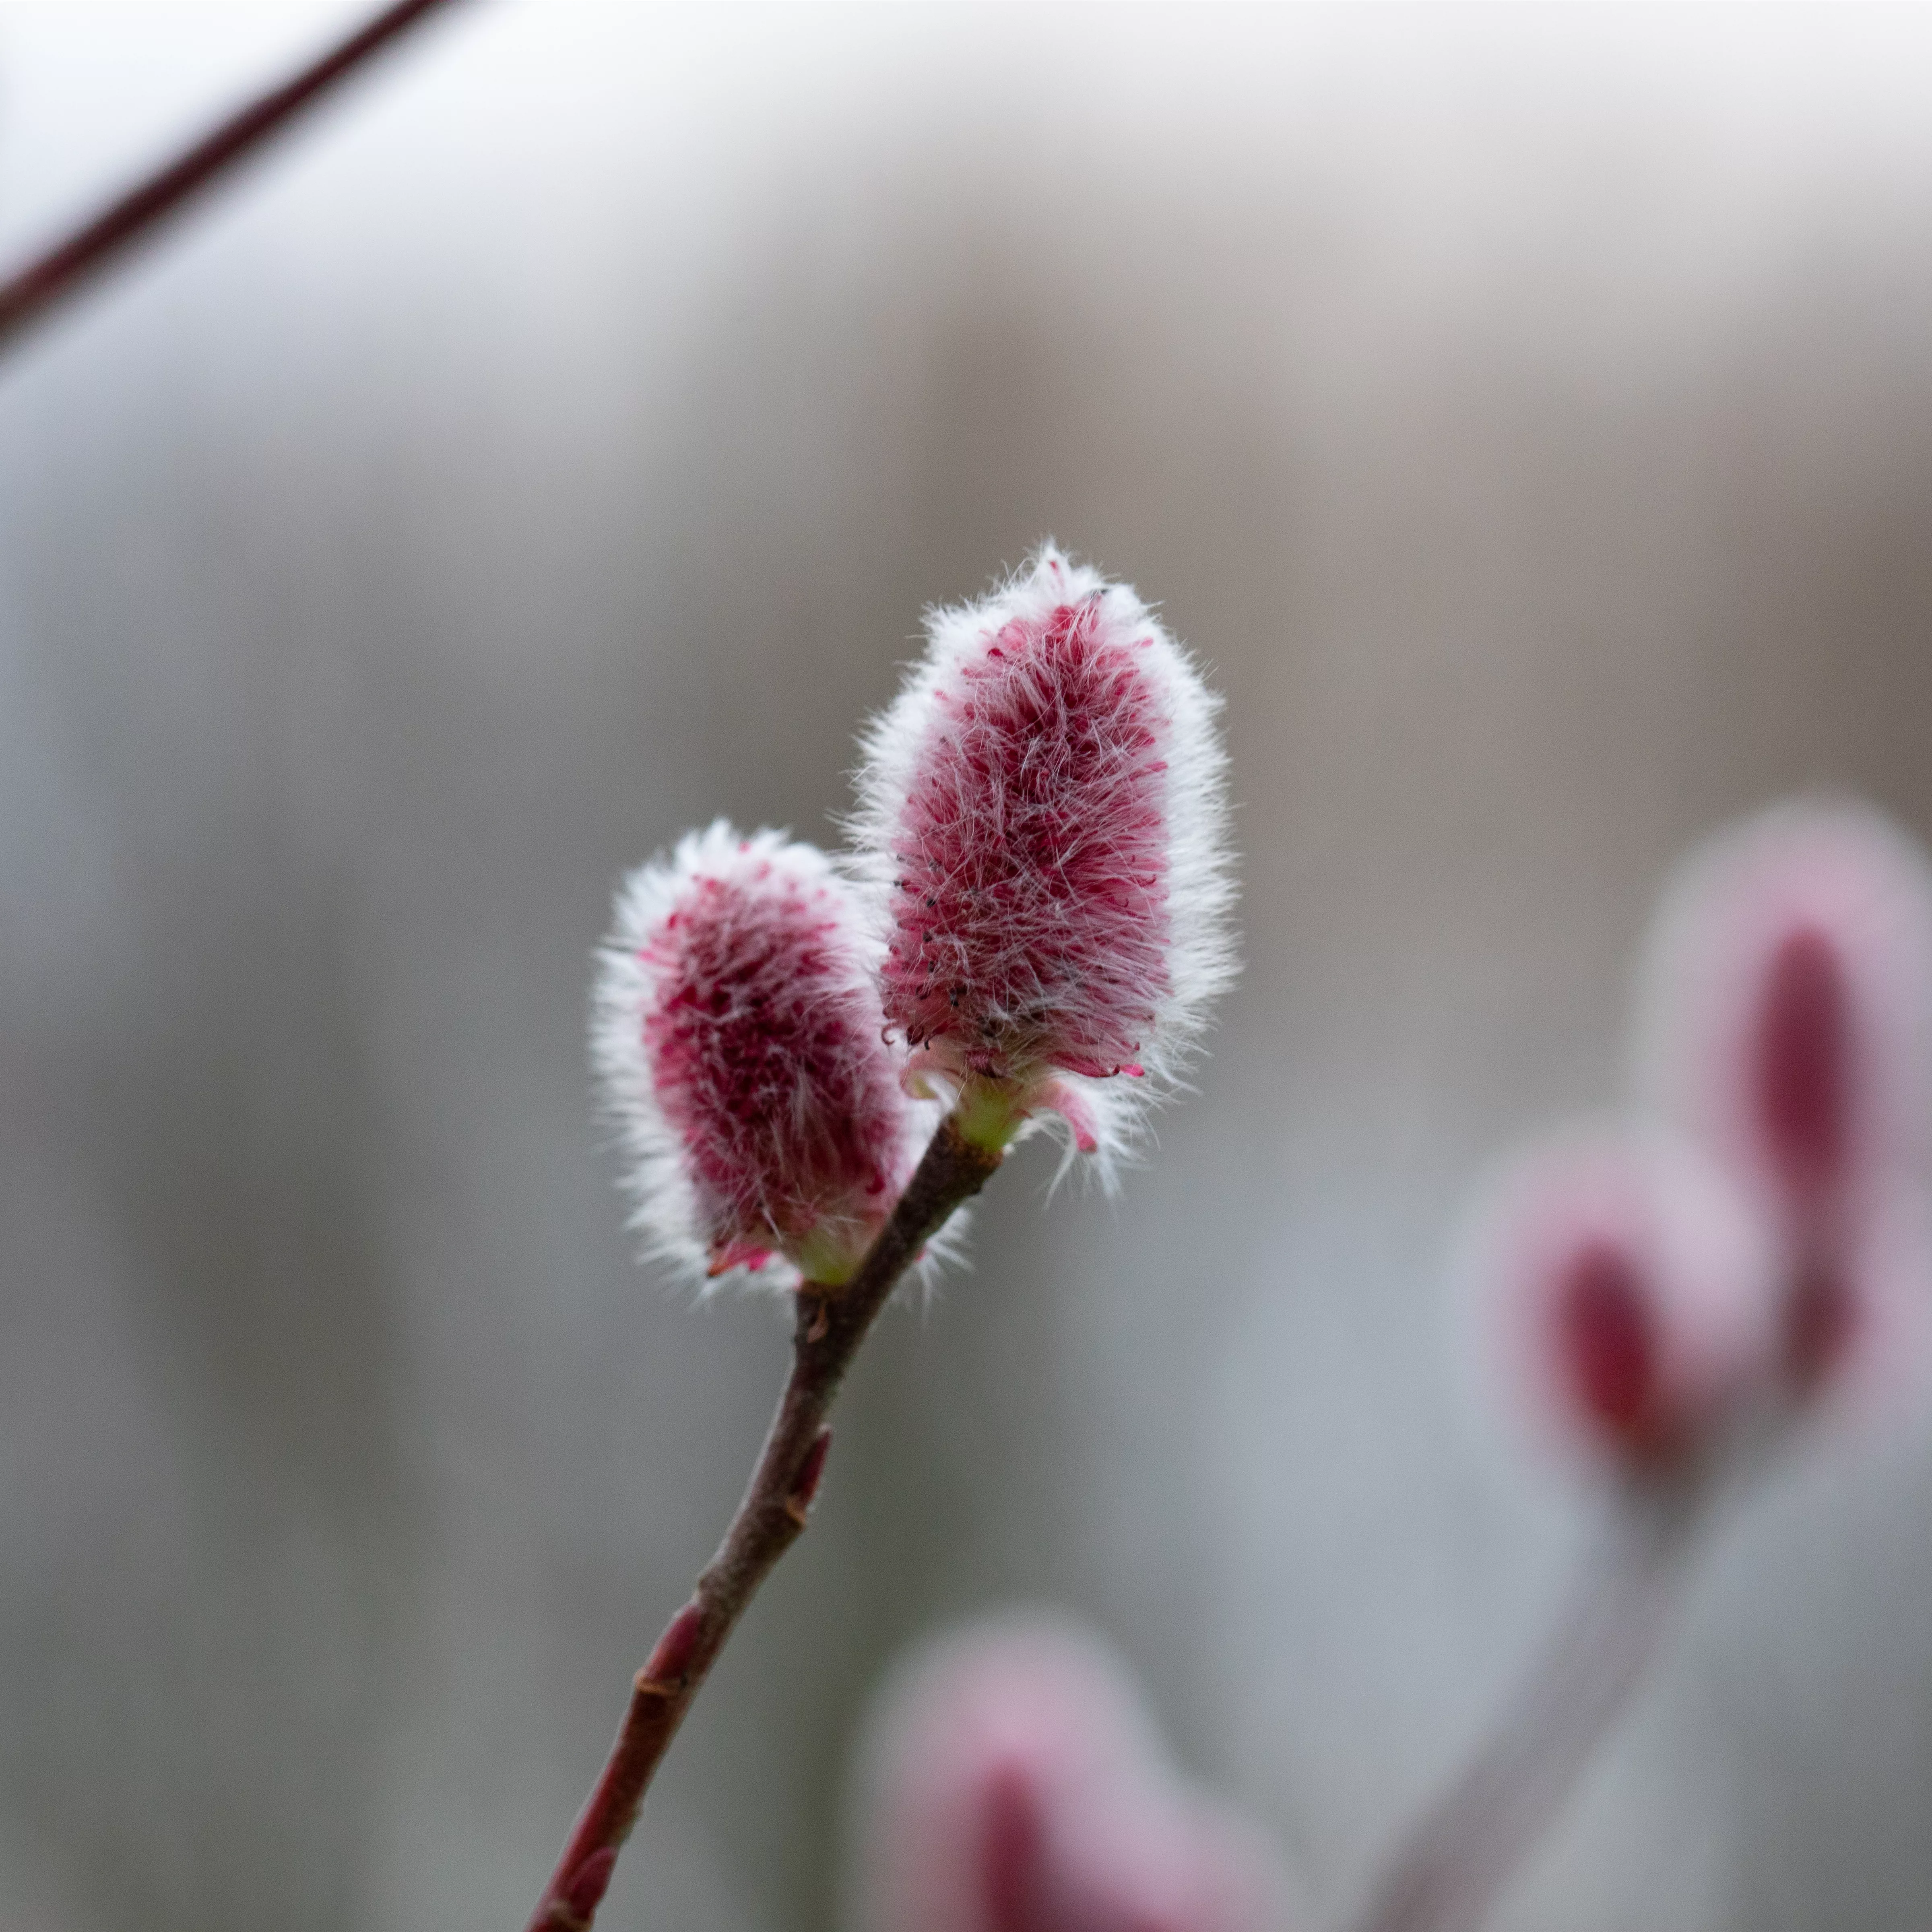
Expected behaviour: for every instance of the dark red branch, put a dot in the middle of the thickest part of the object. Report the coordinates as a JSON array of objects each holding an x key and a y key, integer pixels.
[
  {"x": 28, "y": 293},
  {"x": 831, "y": 1324}
]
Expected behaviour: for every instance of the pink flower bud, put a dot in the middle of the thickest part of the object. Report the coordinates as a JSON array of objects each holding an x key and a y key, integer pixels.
[
  {"x": 738, "y": 1031},
  {"x": 1012, "y": 1783},
  {"x": 1630, "y": 1291},
  {"x": 1042, "y": 810},
  {"x": 1789, "y": 1002},
  {"x": 1789, "y": 1025}
]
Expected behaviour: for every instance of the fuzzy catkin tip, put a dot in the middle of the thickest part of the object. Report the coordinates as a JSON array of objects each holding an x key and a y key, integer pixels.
[
  {"x": 1043, "y": 819},
  {"x": 738, "y": 1033}
]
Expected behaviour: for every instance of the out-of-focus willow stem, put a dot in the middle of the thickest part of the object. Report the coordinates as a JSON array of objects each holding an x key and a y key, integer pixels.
[
  {"x": 831, "y": 1324},
  {"x": 1447, "y": 1872},
  {"x": 28, "y": 293}
]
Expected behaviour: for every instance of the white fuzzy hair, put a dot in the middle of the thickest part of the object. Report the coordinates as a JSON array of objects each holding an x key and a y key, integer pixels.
[
  {"x": 1200, "y": 960},
  {"x": 668, "y": 1212}
]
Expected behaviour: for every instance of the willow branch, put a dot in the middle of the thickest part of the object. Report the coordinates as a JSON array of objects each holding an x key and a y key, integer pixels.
[
  {"x": 27, "y": 294},
  {"x": 1449, "y": 1871},
  {"x": 832, "y": 1323}
]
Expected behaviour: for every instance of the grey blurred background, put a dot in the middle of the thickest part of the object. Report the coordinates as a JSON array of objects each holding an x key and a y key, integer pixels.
[{"x": 1529, "y": 416}]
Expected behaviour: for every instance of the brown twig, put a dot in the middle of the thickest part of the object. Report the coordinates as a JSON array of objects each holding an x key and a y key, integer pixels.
[
  {"x": 1447, "y": 1872},
  {"x": 831, "y": 1324},
  {"x": 30, "y": 292}
]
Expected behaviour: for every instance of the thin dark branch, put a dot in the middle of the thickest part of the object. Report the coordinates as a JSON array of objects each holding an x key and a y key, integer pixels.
[
  {"x": 831, "y": 1324},
  {"x": 28, "y": 294}
]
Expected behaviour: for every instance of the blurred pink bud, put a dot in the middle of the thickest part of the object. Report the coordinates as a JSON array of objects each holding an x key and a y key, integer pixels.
[
  {"x": 1011, "y": 1782},
  {"x": 1788, "y": 1002},
  {"x": 1042, "y": 810},
  {"x": 739, "y": 1034},
  {"x": 1630, "y": 1291},
  {"x": 1789, "y": 1025}
]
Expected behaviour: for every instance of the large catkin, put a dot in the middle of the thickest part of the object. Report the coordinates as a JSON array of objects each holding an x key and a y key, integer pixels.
[{"x": 1043, "y": 822}]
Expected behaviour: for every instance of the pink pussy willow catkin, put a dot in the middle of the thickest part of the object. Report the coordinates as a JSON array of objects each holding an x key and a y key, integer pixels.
[
  {"x": 1042, "y": 812},
  {"x": 1630, "y": 1291},
  {"x": 1013, "y": 1782},
  {"x": 1789, "y": 1026},
  {"x": 740, "y": 1036}
]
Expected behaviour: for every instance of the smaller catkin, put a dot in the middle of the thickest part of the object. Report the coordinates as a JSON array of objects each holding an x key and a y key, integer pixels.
[
  {"x": 738, "y": 1032},
  {"x": 1629, "y": 1292},
  {"x": 1788, "y": 1026},
  {"x": 1012, "y": 1781}
]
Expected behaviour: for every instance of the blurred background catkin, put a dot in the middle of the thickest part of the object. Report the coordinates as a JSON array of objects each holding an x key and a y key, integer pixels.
[{"x": 1528, "y": 416}]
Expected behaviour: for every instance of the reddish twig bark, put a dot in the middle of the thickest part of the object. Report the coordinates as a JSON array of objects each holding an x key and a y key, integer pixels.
[
  {"x": 30, "y": 292},
  {"x": 1448, "y": 1871},
  {"x": 831, "y": 1324}
]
